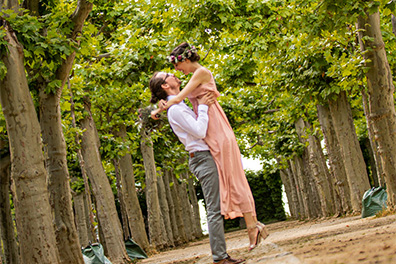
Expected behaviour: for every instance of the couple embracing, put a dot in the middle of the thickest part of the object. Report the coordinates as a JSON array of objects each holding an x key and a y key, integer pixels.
[{"x": 215, "y": 158}]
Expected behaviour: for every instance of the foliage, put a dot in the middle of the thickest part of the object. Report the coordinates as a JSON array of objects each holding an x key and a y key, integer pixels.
[{"x": 273, "y": 61}]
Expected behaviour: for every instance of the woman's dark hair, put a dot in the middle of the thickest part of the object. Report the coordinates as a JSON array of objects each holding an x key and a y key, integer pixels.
[
  {"x": 182, "y": 48},
  {"x": 157, "y": 93}
]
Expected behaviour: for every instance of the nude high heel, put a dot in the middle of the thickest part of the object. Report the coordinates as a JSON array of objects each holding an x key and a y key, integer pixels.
[
  {"x": 263, "y": 230},
  {"x": 256, "y": 238}
]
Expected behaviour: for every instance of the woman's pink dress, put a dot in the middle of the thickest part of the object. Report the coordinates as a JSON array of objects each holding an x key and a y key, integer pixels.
[{"x": 235, "y": 195}]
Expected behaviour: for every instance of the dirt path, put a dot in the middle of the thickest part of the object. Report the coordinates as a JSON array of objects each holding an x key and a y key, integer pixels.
[{"x": 335, "y": 240}]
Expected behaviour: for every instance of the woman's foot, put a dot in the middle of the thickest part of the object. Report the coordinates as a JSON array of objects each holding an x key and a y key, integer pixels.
[{"x": 254, "y": 236}]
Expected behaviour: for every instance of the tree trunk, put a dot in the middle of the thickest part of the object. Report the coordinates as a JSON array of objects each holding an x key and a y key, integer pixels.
[
  {"x": 301, "y": 185},
  {"x": 185, "y": 207},
  {"x": 52, "y": 132},
  {"x": 291, "y": 191},
  {"x": 195, "y": 206},
  {"x": 33, "y": 212},
  {"x": 88, "y": 206},
  {"x": 349, "y": 146},
  {"x": 134, "y": 212},
  {"x": 172, "y": 210},
  {"x": 59, "y": 187},
  {"x": 377, "y": 170},
  {"x": 11, "y": 250},
  {"x": 337, "y": 168},
  {"x": 81, "y": 218},
  {"x": 165, "y": 211},
  {"x": 105, "y": 205},
  {"x": 317, "y": 167},
  {"x": 381, "y": 100},
  {"x": 157, "y": 238},
  {"x": 120, "y": 196},
  {"x": 178, "y": 206},
  {"x": 87, "y": 189}
]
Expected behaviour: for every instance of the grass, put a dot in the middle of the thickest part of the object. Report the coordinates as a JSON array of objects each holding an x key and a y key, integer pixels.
[{"x": 385, "y": 212}]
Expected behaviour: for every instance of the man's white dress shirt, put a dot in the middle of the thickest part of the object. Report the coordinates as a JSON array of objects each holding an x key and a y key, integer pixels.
[{"x": 189, "y": 128}]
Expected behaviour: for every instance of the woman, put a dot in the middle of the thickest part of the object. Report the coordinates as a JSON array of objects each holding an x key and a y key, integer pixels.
[{"x": 235, "y": 195}]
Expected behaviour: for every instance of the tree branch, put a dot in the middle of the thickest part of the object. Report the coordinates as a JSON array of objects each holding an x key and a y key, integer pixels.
[{"x": 78, "y": 17}]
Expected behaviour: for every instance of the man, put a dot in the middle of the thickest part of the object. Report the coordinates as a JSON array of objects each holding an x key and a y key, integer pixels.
[{"x": 191, "y": 130}]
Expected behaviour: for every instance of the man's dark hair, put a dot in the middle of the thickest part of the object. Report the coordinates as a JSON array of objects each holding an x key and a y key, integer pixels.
[{"x": 157, "y": 93}]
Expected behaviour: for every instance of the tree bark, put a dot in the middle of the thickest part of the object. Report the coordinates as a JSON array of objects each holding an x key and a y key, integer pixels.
[
  {"x": 157, "y": 238},
  {"x": 290, "y": 190},
  {"x": 120, "y": 196},
  {"x": 58, "y": 185},
  {"x": 87, "y": 189},
  {"x": 381, "y": 101},
  {"x": 301, "y": 185},
  {"x": 337, "y": 168},
  {"x": 178, "y": 206},
  {"x": 106, "y": 210},
  {"x": 33, "y": 212},
  {"x": 185, "y": 207},
  {"x": 165, "y": 211},
  {"x": 349, "y": 146},
  {"x": 11, "y": 250},
  {"x": 317, "y": 167},
  {"x": 52, "y": 132},
  {"x": 134, "y": 212},
  {"x": 195, "y": 206},
  {"x": 377, "y": 170},
  {"x": 81, "y": 218},
  {"x": 172, "y": 210}
]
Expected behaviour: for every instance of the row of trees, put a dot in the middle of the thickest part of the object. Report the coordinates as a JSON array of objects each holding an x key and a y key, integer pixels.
[{"x": 293, "y": 74}]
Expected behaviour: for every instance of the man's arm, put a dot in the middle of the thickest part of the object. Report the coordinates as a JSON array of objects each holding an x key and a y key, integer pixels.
[{"x": 183, "y": 118}]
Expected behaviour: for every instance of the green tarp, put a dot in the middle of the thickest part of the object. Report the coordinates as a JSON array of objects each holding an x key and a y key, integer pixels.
[
  {"x": 134, "y": 251},
  {"x": 94, "y": 254},
  {"x": 374, "y": 200}
]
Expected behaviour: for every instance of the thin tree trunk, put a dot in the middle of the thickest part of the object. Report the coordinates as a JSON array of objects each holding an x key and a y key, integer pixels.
[
  {"x": 33, "y": 212},
  {"x": 297, "y": 172},
  {"x": 88, "y": 205},
  {"x": 349, "y": 146},
  {"x": 317, "y": 167},
  {"x": 195, "y": 206},
  {"x": 8, "y": 236},
  {"x": 306, "y": 178},
  {"x": 165, "y": 211},
  {"x": 185, "y": 208},
  {"x": 337, "y": 168},
  {"x": 178, "y": 206},
  {"x": 377, "y": 170},
  {"x": 81, "y": 218},
  {"x": 106, "y": 210},
  {"x": 172, "y": 209},
  {"x": 87, "y": 189},
  {"x": 133, "y": 210},
  {"x": 124, "y": 217},
  {"x": 291, "y": 191},
  {"x": 157, "y": 238}
]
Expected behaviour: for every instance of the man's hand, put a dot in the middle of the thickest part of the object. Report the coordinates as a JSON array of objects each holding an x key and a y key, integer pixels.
[
  {"x": 162, "y": 105},
  {"x": 155, "y": 114},
  {"x": 207, "y": 99}
]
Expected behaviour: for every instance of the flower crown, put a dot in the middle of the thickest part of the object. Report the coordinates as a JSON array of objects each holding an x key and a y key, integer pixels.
[{"x": 185, "y": 55}]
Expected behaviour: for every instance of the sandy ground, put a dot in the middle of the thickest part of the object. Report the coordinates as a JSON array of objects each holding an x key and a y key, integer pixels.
[{"x": 332, "y": 240}]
